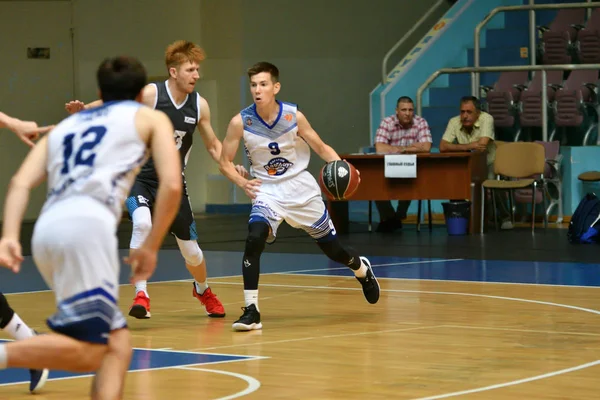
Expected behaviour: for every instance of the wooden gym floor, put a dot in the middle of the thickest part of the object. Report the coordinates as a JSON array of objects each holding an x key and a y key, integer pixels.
[{"x": 500, "y": 316}]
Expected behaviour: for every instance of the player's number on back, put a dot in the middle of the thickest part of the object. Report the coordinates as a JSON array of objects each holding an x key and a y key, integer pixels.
[
  {"x": 274, "y": 146},
  {"x": 84, "y": 154}
]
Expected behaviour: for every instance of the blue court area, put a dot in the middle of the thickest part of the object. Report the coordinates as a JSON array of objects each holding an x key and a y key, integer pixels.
[
  {"x": 227, "y": 263},
  {"x": 518, "y": 272},
  {"x": 142, "y": 360}
]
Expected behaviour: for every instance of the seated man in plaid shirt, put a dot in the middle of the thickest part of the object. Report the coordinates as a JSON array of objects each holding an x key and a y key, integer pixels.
[{"x": 403, "y": 132}]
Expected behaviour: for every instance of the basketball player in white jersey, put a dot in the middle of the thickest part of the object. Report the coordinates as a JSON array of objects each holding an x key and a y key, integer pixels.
[
  {"x": 10, "y": 321},
  {"x": 278, "y": 140},
  {"x": 186, "y": 109},
  {"x": 90, "y": 160}
]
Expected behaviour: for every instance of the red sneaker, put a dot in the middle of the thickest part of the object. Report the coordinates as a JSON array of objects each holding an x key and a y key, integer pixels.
[
  {"x": 141, "y": 306},
  {"x": 209, "y": 300}
]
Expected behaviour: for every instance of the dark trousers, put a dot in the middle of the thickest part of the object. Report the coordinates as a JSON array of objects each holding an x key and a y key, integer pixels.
[{"x": 386, "y": 211}]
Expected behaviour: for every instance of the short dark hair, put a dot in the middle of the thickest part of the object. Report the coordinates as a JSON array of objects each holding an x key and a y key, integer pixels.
[
  {"x": 404, "y": 99},
  {"x": 121, "y": 78},
  {"x": 264, "y": 66},
  {"x": 472, "y": 99}
]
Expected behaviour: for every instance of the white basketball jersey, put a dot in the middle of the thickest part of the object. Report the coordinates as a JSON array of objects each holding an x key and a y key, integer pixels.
[
  {"x": 276, "y": 152},
  {"x": 95, "y": 153}
]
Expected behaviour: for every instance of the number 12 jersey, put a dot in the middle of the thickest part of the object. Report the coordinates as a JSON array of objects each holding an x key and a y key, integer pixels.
[{"x": 95, "y": 153}]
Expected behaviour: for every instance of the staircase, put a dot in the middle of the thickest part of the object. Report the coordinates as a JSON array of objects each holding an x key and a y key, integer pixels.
[{"x": 501, "y": 45}]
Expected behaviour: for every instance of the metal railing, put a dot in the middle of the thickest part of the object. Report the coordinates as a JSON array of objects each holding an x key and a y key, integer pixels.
[
  {"x": 532, "y": 8},
  {"x": 475, "y": 70},
  {"x": 417, "y": 25}
]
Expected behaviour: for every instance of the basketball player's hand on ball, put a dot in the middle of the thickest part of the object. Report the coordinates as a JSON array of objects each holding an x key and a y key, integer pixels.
[
  {"x": 251, "y": 187},
  {"x": 74, "y": 106},
  {"x": 10, "y": 254},
  {"x": 357, "y": 171},
  {"x": 143, "y": 264},
  {"x": 242, "y": 171}
]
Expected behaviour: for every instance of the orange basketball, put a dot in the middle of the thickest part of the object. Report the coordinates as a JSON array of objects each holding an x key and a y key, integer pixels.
[{"x": 339, "y": 180}]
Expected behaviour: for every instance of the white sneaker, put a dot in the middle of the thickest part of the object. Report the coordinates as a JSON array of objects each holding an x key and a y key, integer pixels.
[{"x": 507, "y": 225}]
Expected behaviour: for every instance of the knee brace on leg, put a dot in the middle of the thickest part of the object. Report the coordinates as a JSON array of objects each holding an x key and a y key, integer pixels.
[
  {"x": 190, "y": 251},
  {"x": 142, "y": 224},
  {"x": 339, "y": 253},
  {"x": 255, "y": 244},
  {"x": 258, "y": 232},
  {"x": 6, "y": 313}
]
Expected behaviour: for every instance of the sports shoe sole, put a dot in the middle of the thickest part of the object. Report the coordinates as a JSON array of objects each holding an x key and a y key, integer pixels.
[
  {"x": 139, "y": 312},
  {"x": 40, "y": 384},
  {"x": 243, "y": 327}
]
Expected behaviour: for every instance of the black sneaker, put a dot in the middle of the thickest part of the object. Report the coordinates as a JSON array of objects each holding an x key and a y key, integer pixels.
[
  {"x": 250, "y": 319},
  {"x": 369, "y": 283},
  {"x": 38, "y": 377}
]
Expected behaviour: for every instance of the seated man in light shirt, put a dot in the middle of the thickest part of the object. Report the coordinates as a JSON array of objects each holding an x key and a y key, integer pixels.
[
  {"x": 473, "y": 130},
  {"x": 403, "y": 132}
]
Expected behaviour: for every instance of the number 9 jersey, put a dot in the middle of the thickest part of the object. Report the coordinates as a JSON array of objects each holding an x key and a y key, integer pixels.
[
  {"x": 275, "y": 152},
  {"x": 95, "y": 153}
]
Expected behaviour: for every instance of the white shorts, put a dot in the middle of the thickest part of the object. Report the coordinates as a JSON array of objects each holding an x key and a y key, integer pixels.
[
  {"x": 296, "y": 200},
  {"x": 75, "y": 248}
]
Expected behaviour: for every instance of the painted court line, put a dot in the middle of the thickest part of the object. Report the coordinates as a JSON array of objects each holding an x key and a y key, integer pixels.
[
  {"x": 487, "y": 282},
  {"x": 245, "y": 356},
  {"x": 372, "y": 265},
  {"x": 416, "y": 328},
  {"x": 521, "y": 330},
  {"x": 253, "y": 384},
  {"x": 512, "y": 383},
  {"x": 485, "y": 388},
  {"x": 589, "y": 310},
  {"x": 138, "y": 370},
  {"x": 267, "y": 273}
]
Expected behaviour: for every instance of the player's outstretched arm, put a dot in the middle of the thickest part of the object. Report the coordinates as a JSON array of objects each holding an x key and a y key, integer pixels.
[
  {"x": 211, "y": 142},
  {"x": 315, "y": 142},
  {"x": 27, "y": 131},
  {"x": 75, "y": 106},
  {"x": 235, "y": 131},
  {"x": 31, "y": 173},
  {"x": 148, "y": 99}
]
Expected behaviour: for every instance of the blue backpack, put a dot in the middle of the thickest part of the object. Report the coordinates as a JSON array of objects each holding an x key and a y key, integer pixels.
[{"x": 584, "y": 225}]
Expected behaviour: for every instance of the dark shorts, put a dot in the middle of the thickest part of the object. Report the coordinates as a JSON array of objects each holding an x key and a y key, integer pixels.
[{"x": 143, "y": 194}]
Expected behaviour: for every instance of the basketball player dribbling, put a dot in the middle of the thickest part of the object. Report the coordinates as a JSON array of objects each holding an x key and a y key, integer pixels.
[{"x": 278, "y": 139}]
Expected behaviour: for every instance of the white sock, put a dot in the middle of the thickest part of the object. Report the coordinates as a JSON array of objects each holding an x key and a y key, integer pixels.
[
  {"x": 201, "y": 287},
  {"x": 362, "y": 271},
  {"x": 251, "y": 297},
  {"x": 141, "y": 287},
  {"x": 18, "y": 329},
  {"x": 3, "y": 357}
]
